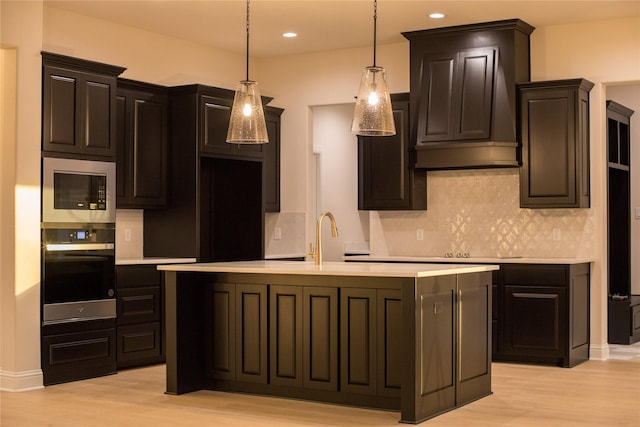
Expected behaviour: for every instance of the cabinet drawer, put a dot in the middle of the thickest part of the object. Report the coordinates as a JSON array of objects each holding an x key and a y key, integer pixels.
[
  {"x": 137, "y": 305},
  {"x": 139, "y": 344},
  {"x": 535, "y": 275},
  {"x": 78, "y": 355},
  {"x": 130, "y": 276}
]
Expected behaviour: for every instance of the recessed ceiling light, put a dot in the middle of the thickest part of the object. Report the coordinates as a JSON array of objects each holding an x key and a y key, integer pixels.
[
  {"x": 436, "y": 15},
  {"x": 290, "y": 35}
]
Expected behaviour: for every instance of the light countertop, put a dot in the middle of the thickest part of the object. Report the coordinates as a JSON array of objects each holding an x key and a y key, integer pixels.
[
  {"x": 153, "y": 260},
  {"x": 472, "y": 260},
  {"x": 371, "y": 269}
]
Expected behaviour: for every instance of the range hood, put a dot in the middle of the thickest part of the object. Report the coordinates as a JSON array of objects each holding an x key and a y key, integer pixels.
[{"x": 463, "y": 94}]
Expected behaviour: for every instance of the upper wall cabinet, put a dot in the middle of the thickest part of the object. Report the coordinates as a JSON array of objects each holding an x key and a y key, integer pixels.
[
  {"x": 78, "y": 107},
  {"x": 271, "y": 163},
  {"x": 387, "y": 179},
  {"x": 463, "y": 93},
  {"x": 141, "y": 160},
  {"x": 554, "y": 128}
]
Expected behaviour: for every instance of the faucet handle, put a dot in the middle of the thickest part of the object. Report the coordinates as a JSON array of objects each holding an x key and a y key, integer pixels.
[{"x": 312, "y": 252}]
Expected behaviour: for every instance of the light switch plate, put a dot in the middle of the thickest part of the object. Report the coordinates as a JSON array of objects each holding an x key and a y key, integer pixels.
[{"x": 637, "y": 213}]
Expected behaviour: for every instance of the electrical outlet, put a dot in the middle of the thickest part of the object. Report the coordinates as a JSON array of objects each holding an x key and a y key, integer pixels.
[
  {"x": 419, "y": 234},
  {"x": 556, "y": 234},
  {"x": 127, "y": 234},
  {"x": 277, "y": 233}
]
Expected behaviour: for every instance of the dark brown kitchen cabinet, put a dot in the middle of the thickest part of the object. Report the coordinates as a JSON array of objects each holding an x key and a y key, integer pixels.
[
  {"x": 623, "y": 307},
  {"x": 463, "y": 94},
  {"x": 141, "y": 154},
  {"x": 78, "y": 350},
  {"x": 544, "y": 316},
  {"x": 474, "y": 331},
  {"x": 139, "y": 304},
  {"x": 271, "y": 163},
  {"x": 370, "y": 332},
  {"x": 553, "y": 123},
  {"x": 320, "y": 338},
  {"x": 458, "y": 90},
  {"x": 387, "y": 179},
  {"x": 78, "y": 107},
  {"x": 215, "y": 113},
  {"x": 236, "y": 327},
  {"x": 215, "y": 209}
]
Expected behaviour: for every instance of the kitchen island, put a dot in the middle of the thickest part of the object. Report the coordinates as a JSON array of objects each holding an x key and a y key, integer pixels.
[{"x": 409, "y": 337}]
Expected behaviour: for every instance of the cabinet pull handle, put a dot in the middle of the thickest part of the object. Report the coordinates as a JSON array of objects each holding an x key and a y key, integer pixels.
[{"x": 459, "y": 343}]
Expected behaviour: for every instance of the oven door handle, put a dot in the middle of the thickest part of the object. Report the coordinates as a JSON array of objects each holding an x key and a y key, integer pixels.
[{"x": 55, "y": 247}]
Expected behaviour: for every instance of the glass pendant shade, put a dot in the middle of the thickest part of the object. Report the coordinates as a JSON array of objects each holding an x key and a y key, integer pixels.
[
  {"x": 247, "y": 124},
  {"x": 373, "y": 114}
]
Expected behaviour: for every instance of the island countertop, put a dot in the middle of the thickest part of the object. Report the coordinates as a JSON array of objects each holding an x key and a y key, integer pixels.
[{"x": 370, "y": 269}]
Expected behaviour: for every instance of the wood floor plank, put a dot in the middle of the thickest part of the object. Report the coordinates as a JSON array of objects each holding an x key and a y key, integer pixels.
[{"x": 595, "y": 393}]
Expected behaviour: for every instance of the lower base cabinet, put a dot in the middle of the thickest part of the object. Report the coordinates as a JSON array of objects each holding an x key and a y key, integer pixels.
[
  {"x": 344, "y": 342},
  {"x": 139, "y": 304},
  {"x": 78, "y": 350},
  {"x": 543, "y": 314},
  {"x": 624, "y": 320}
]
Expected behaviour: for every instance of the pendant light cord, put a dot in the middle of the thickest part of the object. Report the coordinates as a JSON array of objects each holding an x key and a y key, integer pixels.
[
  {"x": 248, "y": 40},
  {"x": 375, "y": 18}
]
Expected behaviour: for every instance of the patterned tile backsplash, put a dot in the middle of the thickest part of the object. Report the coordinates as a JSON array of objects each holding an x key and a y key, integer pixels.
[{"x": 478, "y": 212}]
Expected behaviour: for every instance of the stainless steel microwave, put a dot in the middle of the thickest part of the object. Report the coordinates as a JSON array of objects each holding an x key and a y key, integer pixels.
[{"x": 78, "y": 191}]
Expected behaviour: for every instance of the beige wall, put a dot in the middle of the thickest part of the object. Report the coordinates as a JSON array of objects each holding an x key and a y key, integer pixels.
[
  {"x": 297, "y": 84},
  {"x": 21, "y": 34}
]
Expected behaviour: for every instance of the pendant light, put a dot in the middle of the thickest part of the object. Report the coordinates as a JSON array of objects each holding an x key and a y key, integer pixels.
[
  {"x": 247, "y": 124},
  {"x": 373, "y": 114}
]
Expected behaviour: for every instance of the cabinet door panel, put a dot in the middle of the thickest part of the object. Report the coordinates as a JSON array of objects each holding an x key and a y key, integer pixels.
[
  {"x": 474, "y": 337},
  {"x": 472, "y": 117},
  {"x": 320, "y": 339},
  {"x": 220, "y": 348},
  {"x": 435, "y": 122},
  {"x": 99, "y": 124},
  {"x": 271, "y": 164},
  {"x": 358, "y": 341},
  {"x": 251, "y": 333},
  {"x": 384, "y": 172},
  {"x": 389, "y": 306},
  {"x": 533, "y": 320},
  {"x": 215, "y": 116},
  {"x": 60, "y": 100},
  {"x": 286, "y": 335},
  {"x": 149, "y": 175}
]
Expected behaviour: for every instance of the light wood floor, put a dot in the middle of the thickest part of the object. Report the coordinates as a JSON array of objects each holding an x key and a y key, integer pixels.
[{"x": 592, "y": 394}]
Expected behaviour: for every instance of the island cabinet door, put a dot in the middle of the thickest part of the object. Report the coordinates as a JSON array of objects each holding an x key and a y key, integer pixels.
[
  {"x": 320, "y": 338},
  {"x": 285, "y": 335},
  {"x": 474, "y": 343},
  {"x": 358, "y": 346},
  {"x": 251, "y": 333},
  {"x": 428, "y": 352},
  {"x": 220, "y": 332},
  {"x": 236, "y": 332},
  {"x": 389, "y": 331}
]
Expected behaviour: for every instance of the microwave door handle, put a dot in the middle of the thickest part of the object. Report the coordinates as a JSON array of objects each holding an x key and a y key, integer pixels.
[{"x": 56, "y": 247}]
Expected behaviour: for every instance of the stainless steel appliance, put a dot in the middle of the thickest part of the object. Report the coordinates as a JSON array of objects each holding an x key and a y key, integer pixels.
[
  {"x": 78, "y": 273},
  {"x": 78, "y": 191}
]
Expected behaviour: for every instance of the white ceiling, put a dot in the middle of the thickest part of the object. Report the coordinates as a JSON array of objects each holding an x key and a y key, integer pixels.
[{"x": 328, "y": 24}]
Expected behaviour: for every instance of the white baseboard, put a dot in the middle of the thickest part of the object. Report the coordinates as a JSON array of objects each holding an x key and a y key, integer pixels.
[
  {"x": 599, "y": 351},
  {"x": 21, "y": 381}
]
